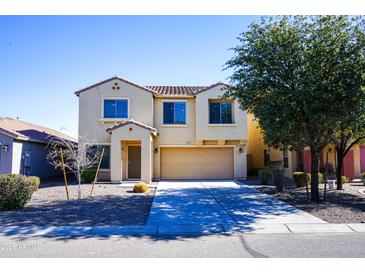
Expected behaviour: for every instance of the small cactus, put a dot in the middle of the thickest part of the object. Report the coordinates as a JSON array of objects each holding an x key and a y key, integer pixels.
[{"x": 140, "y": 187}]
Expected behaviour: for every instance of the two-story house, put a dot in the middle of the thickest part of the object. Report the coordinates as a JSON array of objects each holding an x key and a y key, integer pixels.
[{"x": 163, "y": 132}]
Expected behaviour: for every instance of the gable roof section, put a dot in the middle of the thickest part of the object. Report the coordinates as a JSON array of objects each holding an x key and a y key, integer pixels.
[
  {"x": 24, "y": 131},
  {"x": 113, "y": 79},
  {"x": 210, "y": 87},
  {"x": 131, "y": 121},
  {"x": 159, "y": 90}
]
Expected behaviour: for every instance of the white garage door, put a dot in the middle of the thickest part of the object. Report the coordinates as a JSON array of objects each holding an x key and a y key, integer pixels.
[{"x": 197, "y": 163}]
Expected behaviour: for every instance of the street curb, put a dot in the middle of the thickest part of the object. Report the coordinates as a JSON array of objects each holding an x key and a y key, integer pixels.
[
  {"x": 258, "y": 229},
  {"x": 155, "y": 230},
  {"x": 319, "y": 228}
]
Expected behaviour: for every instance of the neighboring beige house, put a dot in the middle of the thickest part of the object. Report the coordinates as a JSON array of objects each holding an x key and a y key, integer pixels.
[
  {"x": 259, "y": 155},
  {"x": 163, "y": 132}
]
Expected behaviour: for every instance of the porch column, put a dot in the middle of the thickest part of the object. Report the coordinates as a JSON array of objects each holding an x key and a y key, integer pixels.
[
  {"x": 115, "y": 159},
  {"x": 146, "y": 159}
]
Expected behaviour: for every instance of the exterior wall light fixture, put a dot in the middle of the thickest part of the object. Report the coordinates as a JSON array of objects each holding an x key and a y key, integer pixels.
[{"x": 5, "y": 148}]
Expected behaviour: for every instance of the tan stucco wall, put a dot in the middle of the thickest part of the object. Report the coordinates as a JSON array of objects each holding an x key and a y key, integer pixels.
[
  {"x": 255, "y": 144},
  {"x": 175, "y": 134},
  {"x": 331, "y": 155},
  {"x": 357, "y": 170},
  {"x": 90, "y": 108},
  {"x": 118, "y": 159},
  {"x": 277, "y": 155},
  {"x": 236, "y": 131},
  {"x": 240, "y": 162}
]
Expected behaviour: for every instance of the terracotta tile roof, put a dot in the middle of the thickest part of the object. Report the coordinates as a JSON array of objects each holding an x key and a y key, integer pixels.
[
  {"x": 158, "y": 90},
  {"x": 25, "y": 131},
  {"x": 176, "y": 90},
  {"x": 131, "y": 121}
]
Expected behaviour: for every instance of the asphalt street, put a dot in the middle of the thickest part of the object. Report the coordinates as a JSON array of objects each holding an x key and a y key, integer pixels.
[{"x": 218, "y": 245}]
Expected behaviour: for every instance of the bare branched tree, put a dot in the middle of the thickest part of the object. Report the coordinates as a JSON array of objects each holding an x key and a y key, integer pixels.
[{"x": 77, "y": 157}]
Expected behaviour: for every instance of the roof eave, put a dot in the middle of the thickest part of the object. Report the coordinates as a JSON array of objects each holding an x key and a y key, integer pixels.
[
  {"x": 77, "y": 93},
  {"x": 151, "y": 129},
  {"x": 211, "y": 86}
]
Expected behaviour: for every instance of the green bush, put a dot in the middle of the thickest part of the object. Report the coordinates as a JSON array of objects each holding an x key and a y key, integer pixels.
[
  {"x": 15, "y": 191},
  {"x": 35, "y": 182},
  {"x": 264, "y": 176},
  {"x": 89, "y": 174},
  {"x": 362, "y": 175},
  {"x": 140, "y": 187},
  {"x": 301, "y": 178}
]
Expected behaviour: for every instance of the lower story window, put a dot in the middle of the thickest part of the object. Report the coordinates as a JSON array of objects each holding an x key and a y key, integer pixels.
[{"x": 97, "y": 149}]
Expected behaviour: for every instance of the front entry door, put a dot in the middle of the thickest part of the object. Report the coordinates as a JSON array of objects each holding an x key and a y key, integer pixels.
[{"x": 134, "y": 162}]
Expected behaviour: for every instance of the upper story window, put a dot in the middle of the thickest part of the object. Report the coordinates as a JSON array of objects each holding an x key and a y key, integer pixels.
[
  {"x": 115, "y": 108},
  {"x": 174, "y": 113},
  {"x": 220, "y": 112}
]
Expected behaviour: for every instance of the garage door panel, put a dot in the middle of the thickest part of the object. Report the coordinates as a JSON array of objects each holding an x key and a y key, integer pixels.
[{"x": 197, "y": 163}]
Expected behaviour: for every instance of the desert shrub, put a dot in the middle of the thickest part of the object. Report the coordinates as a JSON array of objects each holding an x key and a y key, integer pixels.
[
  {"x": 35, "y": 182},
  {"x": 276, "y": 170},
  {"x": 301, "y": 179},
  {"x": 264, "y": 176},
  {"x": 15, "y": 191},
  {"x": 345, "y": 179},
  {"x": 89, "y": 174},
  {"x": 320, "y": 178},
  {"x": 140, "y": 187}
]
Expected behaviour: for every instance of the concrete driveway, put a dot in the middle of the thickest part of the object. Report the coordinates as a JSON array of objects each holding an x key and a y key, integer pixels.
[{"x": 220, "y": 206}]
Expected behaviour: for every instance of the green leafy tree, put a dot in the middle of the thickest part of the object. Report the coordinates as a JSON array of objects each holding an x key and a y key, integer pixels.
[
  {"x": 297, "y": 75},
  {"x": 348, "y": 135}
]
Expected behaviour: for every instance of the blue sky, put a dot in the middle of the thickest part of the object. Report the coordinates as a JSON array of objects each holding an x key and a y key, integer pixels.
[{"x": 44, "y": 59}]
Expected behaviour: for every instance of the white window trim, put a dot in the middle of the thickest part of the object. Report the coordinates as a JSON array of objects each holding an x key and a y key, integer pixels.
[
  {"x": 102, "y": 119},
  {"x": 222, "y": 125},
  {"x": 173, "y": 101},
  {"x": 102, "y": 144},
  {"x": 232, "y": 112},
  {"x": 174, "y": 125}
]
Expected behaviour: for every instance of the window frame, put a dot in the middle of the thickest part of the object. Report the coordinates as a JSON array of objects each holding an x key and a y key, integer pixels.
[
  {"x": 115, "y": 98},
  {"x": 103, "y": 145},
  {"x": 163, "y": 113},
  {"x": 231, "y": 102}
]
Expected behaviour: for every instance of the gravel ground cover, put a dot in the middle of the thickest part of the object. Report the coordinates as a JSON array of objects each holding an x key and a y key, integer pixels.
[
  {"x": 109, "y": 205},
  {"x": 341, "y": 206}
]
